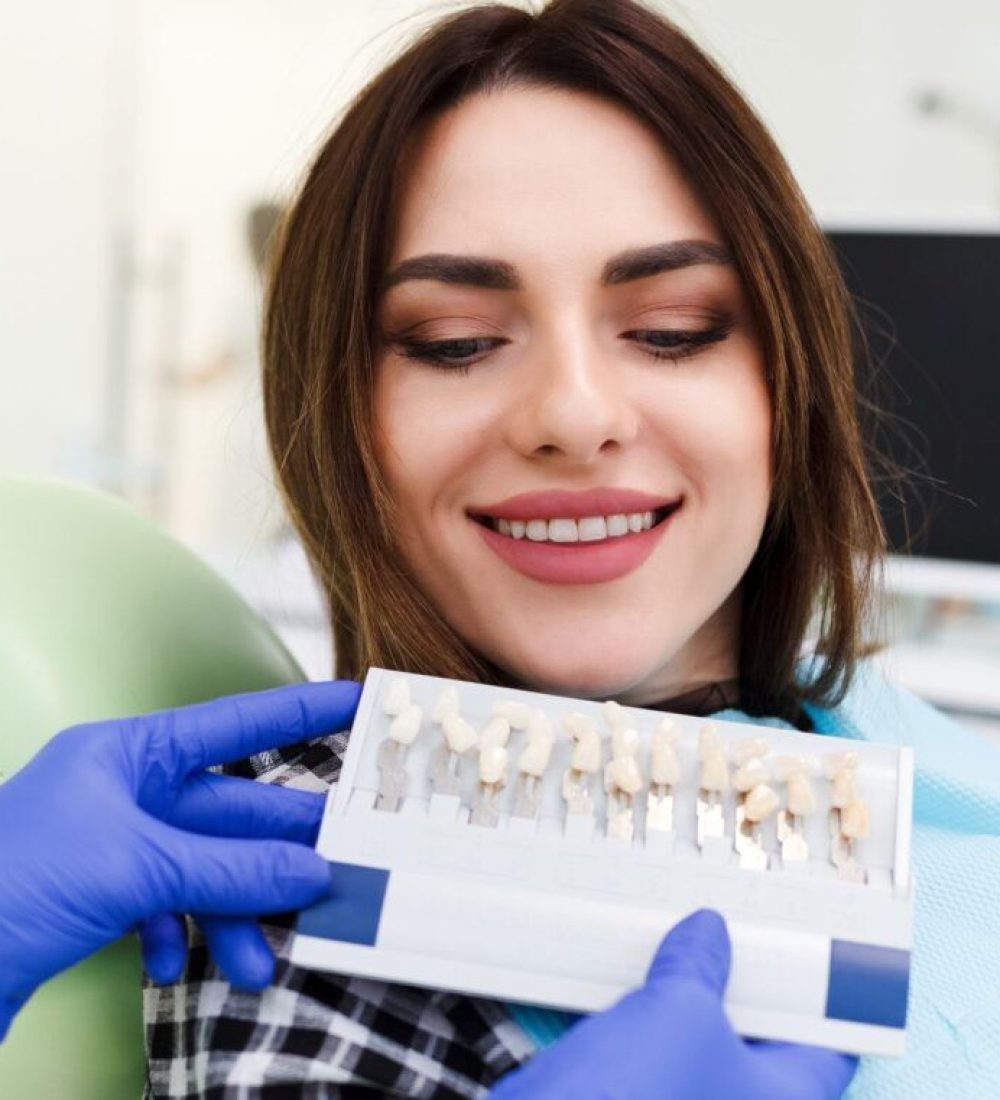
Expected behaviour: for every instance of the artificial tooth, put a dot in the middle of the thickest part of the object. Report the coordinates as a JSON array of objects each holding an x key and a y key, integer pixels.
[
  {"x": 801, "y": 796},
  {"x": 617, "y": 525},
  {"x": 495, "y": 732},
  {"x": 446, "y": 703},
  {"x": 531, "y": 764},
  {"x": 458, "y": 733},
  {"x": 624, "y": 741},
  {"x": 760, "y": 803},
  {"x": 537, "y": 530},
  {"x": 854, "y": 820},
  {"x": 635, "y": 522},
  {"x": 404, "y": 728},
  {"x": 517, "y": 528},
  {"x": 843, "y": 789},
  {"x": 592, "y": 528},
  {"x": 397, "y": 697},
  {"x": 493, "y": 765},
  {"x": 622, "y": 773},
  {"x": 749, "y": 774},
  {"x": 492, "y": 779},
  {"x": 563, "y": 530},
  {"x": 664, "y": 767},
  {"x": 517, "y": 714}
]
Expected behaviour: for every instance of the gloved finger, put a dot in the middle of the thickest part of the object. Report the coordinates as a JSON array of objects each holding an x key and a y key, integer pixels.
[
  {"x": 696, "y": 949},
  {"x": 805, "y": 1070},
  {"x": 163, "y": 940},
  {"x": 203, "y": 874},
  {"x": 237, "y": 726},
  {"x": 223, "y": 805},
  {"x": 239, "y": 949}
]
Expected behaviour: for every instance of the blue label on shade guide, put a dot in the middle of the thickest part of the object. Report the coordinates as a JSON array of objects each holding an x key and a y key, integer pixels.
[
  {"x": 868, "y": 984},
  {"x": 353, "y": 912}
]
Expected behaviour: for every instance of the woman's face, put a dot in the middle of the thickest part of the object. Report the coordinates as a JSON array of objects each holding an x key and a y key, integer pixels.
[{"x": 566, "y": 346}]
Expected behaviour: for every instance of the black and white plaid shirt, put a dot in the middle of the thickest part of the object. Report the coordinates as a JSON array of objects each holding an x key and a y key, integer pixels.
[{"x": 311, "y": 1034}]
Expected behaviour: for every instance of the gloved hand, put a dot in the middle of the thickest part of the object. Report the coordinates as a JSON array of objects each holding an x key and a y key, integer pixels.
[
  {"x": 670, "y": 1040},
  {"x": 116, "y": 823}
]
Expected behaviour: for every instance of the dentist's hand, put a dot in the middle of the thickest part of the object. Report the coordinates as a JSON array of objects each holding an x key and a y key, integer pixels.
[
  {"x": 118, "y": 823},
  {"x": 670, "y": 1040}
]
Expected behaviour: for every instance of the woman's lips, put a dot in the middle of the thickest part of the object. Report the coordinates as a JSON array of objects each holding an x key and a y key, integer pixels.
[{"x": 576, "y": 562}]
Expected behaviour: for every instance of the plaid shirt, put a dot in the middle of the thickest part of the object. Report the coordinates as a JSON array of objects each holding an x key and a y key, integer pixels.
[{"x": 311, "y": 1034}]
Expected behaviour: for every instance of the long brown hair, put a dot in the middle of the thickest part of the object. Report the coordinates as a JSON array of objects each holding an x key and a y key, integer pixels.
[{"x": 816, "y": 563}]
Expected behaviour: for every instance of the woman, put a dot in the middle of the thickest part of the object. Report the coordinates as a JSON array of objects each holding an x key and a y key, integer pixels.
[{"x": 559, "y": 388}]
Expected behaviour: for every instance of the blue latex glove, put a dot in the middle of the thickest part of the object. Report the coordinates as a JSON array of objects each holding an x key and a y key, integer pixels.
[
  {"x": 670, "y": 1040},
  {"x": 116, "y": 823}
]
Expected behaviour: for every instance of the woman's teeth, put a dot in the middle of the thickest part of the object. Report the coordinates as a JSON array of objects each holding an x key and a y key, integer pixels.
[{"x": 587, "y": 529}]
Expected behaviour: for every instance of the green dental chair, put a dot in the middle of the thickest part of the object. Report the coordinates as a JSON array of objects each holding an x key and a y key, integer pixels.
[{"x": 102, "y": 616}]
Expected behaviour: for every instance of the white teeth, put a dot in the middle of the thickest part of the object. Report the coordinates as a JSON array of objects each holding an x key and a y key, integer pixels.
[
  {"x": 592, "y": 528},
  {"x": 617, "y": 525},
  {"x": 585, "y": 529},
  {"x": 563, "y": 530}
]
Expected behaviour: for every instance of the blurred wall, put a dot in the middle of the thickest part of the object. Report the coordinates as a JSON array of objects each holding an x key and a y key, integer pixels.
[{"x": 137, "y": 133}]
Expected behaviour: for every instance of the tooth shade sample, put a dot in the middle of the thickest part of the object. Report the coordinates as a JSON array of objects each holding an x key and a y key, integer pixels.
[
  {"x": 447, "y": 703},
  {"x": 538, "y": 751},
  {"x": 843, "y": 789},
  {"x": 783, "y": 767},
  {"x": 405, "y": 726},
  {"x": 575, "y": 723},
  {"x": 623, "y": 773},
  {"x": 835, "y": 762},
  {"x": 749, "y": 748},
  {"x": 664, "y": 767},
  {"x": 714, "y": 773},
  {"x": 592, "y": 528},
  {"x": 493, "y": 765},
  {"x": 708, "y": 741},
  {"x": 624, "y": 741},
  {"x": 587, "y": 752},
  {"x": 517, "y": 714},
  {"x": 760, "y": 803},
  {"x": 749, "y": 774},
  {"x": 801, "y": 796},
  {"x": 614, "y": 715},
  {"x": 854, "y": 820},
  {"x": 495, "y": 732},
  {"x": 459, "y": 734},
  {"x": 397, "y": 697}
]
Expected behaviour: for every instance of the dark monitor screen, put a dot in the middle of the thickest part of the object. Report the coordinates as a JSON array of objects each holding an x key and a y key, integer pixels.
[{"x": 930, "y": 306}]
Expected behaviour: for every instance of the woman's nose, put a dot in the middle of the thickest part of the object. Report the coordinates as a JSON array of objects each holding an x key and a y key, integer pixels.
[{"x": 574, "y": 401}]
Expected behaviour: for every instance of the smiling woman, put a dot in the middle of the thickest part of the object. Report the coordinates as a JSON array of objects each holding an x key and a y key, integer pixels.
[{"x": 559, "y": 387}]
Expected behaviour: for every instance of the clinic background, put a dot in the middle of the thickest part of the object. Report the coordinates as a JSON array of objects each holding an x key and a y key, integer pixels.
[{"x": 148, "y": 145}]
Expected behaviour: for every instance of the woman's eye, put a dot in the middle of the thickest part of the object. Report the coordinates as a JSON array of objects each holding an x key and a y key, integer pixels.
[
  {"x": 678, "y": 343},
  {"x": 449, "y": 354}
]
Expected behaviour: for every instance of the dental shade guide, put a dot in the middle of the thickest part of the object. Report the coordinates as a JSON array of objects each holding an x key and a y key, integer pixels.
[
  {"x": 492, "y": 780},
  {"x": 664, "y": 774},
  {"x": 403, "y": 729},
  {"x": 800, "y": 803},
  {"x": 755, "y": 802},
  {"x": 532, "y": 764},
  {"x": 458, "y": 737},
  {"x": 849, "y": 816},
  {"x": 622, "y": 782},
  {"x": 584, "y": 763},
  {"x": 609, "y": 835},
  {"x": 712, "y": 785}
]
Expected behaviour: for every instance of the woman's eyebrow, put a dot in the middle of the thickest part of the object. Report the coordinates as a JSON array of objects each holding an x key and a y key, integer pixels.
[{"x": 489, "y": 274}]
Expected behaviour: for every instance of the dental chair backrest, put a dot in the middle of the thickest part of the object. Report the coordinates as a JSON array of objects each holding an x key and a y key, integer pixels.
[{"x": 102, "y": 616}]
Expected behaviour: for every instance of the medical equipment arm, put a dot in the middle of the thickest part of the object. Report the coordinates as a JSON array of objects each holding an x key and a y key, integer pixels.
[
  {"x": 118, "y": 823},
  {"x": 670, "y": 1038}
]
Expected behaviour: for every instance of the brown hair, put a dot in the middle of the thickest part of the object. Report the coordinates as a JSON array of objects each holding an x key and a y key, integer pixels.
[{"x": 822, "y": 540}]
